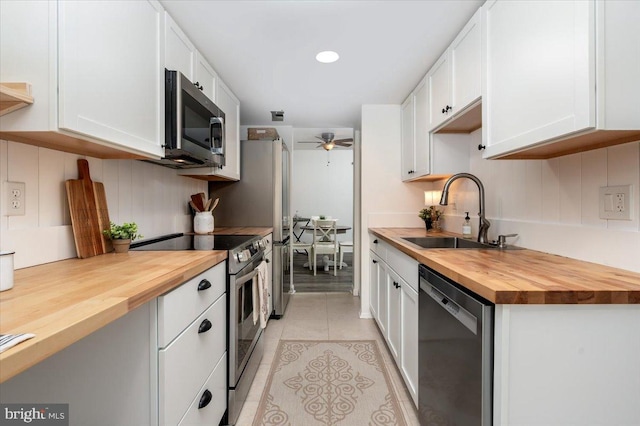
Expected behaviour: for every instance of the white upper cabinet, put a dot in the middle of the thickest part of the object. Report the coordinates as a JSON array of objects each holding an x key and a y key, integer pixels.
[
  {"x": 455, "y": 80},
  {"x": 427, "y": 155},
  {"x": 561, "y": 72},
  {"x": 228, "y": 102},
  {"x": 206, "y": 78},
  {"x": 438, "y": 79},
  {"x": 96, "y": 72},
  {"x": 111, "y": 81},
  {"x": 408, "y": 138},
  {"x": 180, "y": 54},
  {"x": 466, "y": 65}
]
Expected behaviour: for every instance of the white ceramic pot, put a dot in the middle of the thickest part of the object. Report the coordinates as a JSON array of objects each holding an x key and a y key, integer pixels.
[
  {"x": 203, "y": 222},
  {"x": 6, "y": 270}
]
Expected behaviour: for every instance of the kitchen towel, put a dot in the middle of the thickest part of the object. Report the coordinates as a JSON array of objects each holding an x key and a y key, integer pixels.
[
  {"x": 261, "y": 295},
  {"x": 10, "y": 340}
]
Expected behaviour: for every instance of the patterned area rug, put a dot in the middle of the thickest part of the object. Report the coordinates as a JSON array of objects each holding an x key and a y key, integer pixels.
[{"x": 328, "y": 383}]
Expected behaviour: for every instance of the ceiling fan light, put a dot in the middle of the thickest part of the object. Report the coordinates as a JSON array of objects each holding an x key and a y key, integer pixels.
[
  {"x": 328, "y": 146},
  {"x": 327, "y": 57}
]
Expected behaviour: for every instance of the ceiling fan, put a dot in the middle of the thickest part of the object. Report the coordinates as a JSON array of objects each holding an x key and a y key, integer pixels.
[{"x": 329, "y": 142}]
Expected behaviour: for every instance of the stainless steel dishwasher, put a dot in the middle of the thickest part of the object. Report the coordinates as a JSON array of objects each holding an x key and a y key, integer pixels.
[{"x": 455, "y": 353}]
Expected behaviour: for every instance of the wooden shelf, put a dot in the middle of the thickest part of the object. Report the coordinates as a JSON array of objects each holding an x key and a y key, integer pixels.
[{"x": 14, "y": 96}]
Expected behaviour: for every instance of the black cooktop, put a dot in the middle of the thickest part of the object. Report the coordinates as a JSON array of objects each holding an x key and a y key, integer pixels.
[{"x": 192, "y": 242}]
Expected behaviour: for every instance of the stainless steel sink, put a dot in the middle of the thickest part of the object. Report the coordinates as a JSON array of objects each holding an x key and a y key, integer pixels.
[{"x": 451, "y": 242}]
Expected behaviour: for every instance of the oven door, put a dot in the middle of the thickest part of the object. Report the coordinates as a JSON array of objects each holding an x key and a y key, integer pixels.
[{"x": 243, "y": 333}]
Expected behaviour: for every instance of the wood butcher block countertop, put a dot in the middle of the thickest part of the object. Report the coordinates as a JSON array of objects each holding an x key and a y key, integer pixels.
[
  {"x": 62, "y": 302},
  {"x": 243, "y": 230},
  {"x": 521, "y": 276}
]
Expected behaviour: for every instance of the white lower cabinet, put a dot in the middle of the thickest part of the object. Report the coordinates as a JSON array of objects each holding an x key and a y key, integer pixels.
[
  {"x": 393, "y": 297},
  {"x": 192, "y": 351},
  {"x": 211, "y": 402}
]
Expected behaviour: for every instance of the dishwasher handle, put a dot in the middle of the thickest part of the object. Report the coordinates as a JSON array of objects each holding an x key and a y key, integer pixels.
[{"x": 462, "y": 315}]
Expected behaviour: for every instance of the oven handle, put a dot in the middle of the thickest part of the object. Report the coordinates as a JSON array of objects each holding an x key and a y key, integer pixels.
[{"x": 245, "y": 278}]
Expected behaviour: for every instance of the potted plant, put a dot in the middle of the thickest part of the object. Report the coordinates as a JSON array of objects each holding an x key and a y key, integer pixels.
[
  {"x": 431, "y": 217},
  {"x": 122, "y": 235}
]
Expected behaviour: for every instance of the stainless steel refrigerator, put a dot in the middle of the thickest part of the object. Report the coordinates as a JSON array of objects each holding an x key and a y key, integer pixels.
[{"x": 262, "y": 198}]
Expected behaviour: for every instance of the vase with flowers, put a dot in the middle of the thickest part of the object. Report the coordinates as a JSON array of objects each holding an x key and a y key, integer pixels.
[{"x": 432, "y": 217}]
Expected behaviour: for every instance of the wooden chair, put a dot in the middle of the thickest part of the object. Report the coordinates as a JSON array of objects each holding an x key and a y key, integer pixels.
[
  {"x": 325, "y": 241},
  {"x": 344, "y": 246}
]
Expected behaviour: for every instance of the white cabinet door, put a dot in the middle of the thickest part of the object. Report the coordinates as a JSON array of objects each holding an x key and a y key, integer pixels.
[
  {"x": 205, "y": 77},
  {"x": 409, "y": 341},
  {"x": 111, "y": 75},
  {"x": 269, "y": 259},
  {"x": 383, "y": 298},
  {"x": 394, "y": 328},
  {"x": 422, "y": 151},
  {"x": 466, "y": 65},
  {"x": 228, "y": 102},
  {"x": 373, "y": 284},
  {"x": 438, "y": 80},
  {"x": 408, "y": 138},
  {"x": 540, "y": 72},
  {"x": 180, "y": 53}
]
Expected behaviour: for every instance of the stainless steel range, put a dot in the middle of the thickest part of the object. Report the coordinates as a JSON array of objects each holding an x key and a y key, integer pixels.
[{"x": 244, "y": 338}]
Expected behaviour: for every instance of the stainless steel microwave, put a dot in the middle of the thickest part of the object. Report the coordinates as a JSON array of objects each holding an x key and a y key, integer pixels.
[{"x": 194, "y": 126}]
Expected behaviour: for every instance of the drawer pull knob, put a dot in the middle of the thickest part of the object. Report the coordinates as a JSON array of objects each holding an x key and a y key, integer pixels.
[
  {"x": 375, "y": 261},
  {"x": 204, "y": 284},
  {"x": 205, "y": 399},
  {"x": 375, "y": 241},
  {"x": 396, "y": 285},
  {"x": 204, "y": 326},
  {"x": 267, "y": 260}
]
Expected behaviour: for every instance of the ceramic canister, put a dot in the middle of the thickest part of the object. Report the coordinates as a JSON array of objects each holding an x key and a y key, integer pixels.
[
  {"x": 203, "y": 222},
  {"x": 6, "y": 270}
]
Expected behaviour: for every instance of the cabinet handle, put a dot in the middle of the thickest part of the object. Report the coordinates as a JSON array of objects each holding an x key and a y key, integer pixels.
[
  {"x": 267, "y": 260},
  {"x": 205, "y": 399},
  {"x": 375, "y": 241},
  {"x": 204, "y": 284},
  {"x": 204, "y": 326},
  {"x": 444, "y": 111},
  {"x": 375, "y": 261},
  {"x": 481, "y": 147},
  {"x": 396, "y": 285},
  {"x": 449, "y": 108}
]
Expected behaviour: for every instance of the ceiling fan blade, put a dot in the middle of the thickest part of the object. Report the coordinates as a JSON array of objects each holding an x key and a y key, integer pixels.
[
  {"x": 343, "y": 140},
  {"x": 323, "y": 140},
  {"x": 307, "y": 141},
  {"x": 345, "y": 144}
]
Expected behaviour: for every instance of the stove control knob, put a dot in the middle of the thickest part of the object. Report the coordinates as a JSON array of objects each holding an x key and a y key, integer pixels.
[{"x": 239, "y": 256}]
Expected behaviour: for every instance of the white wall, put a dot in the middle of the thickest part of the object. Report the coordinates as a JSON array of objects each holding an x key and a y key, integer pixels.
[
  {"x": 385, "y": 200},
  {"x": 154, "y": 197},
  {"x": 322, "y": 188},
  {"x": 553, "y": 204}
]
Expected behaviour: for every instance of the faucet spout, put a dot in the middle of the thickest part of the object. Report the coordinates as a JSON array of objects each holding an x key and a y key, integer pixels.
[{"x": 484, "y": 223}]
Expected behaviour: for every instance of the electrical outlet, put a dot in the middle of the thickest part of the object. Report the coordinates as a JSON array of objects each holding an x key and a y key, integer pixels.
[
  {"x": 16, "y": 194},
  {"x": 615, "y": 202}
]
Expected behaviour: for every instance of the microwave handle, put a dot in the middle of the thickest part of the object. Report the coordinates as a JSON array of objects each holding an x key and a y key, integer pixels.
[{"x": 217, "y": 120}]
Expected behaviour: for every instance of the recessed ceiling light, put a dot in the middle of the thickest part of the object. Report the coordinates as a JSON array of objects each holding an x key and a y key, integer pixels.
[{"x": 327, "y": 57}]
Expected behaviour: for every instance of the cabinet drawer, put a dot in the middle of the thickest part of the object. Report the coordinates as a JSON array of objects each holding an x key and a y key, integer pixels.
[
  {"x": 212, "y": 413},
  {"x": 378, "y": 246},
  {"x": 178, "y": 308},
  {"x": 404, "y": 265},
  {"x": 187, "y": 362}
]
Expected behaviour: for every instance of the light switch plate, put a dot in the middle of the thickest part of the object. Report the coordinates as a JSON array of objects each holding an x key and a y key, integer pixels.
[{"x": 615, "y": 202}]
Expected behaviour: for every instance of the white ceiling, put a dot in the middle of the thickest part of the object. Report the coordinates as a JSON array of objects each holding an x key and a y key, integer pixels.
[{"x": 265, "y": 52}]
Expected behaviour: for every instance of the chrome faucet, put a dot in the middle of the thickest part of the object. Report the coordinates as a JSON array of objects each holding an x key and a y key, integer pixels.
[{"x": 484, "y": 223}]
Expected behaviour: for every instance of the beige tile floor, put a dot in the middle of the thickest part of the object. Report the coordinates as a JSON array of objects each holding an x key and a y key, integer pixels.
[{"x": 322, "y": 316}]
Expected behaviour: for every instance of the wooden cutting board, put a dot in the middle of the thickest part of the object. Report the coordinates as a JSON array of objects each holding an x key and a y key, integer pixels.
[{"x": 89, "y": 213}]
